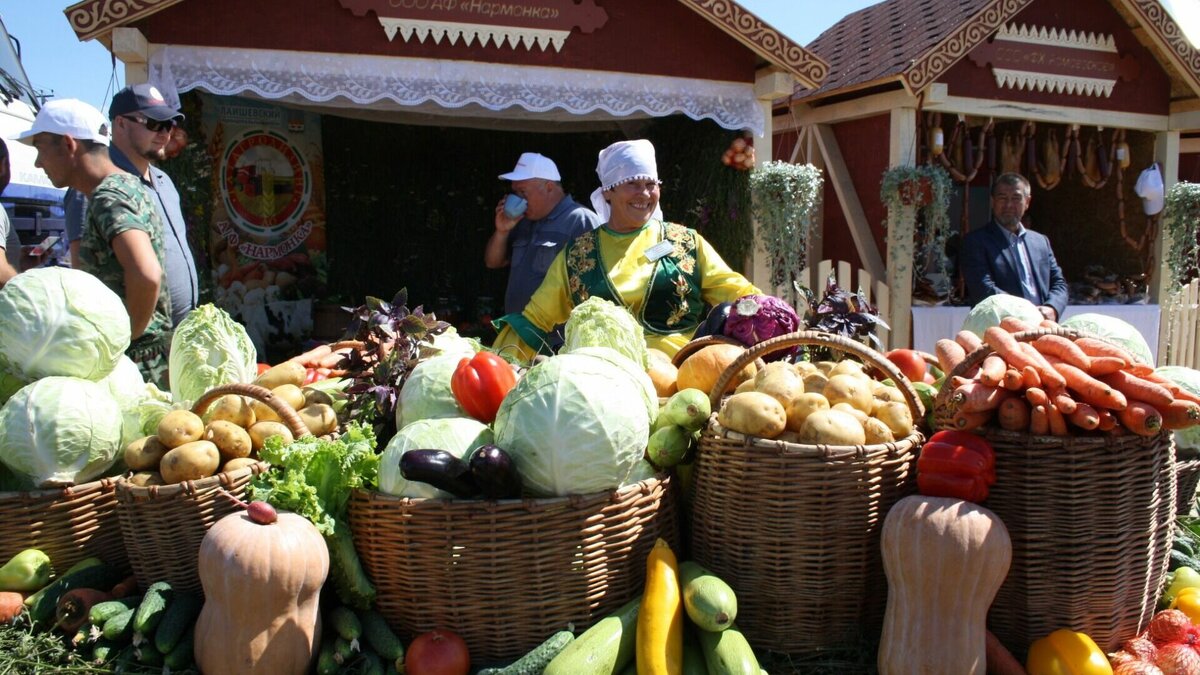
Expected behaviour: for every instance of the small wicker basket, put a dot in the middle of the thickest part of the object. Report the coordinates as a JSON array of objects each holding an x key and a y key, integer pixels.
[
  {"x": 506, "y": 574},
  {"x": 162, "y": 525},
  {"x": 794, "y": 529},
  {"x": 1091, "y": 522},
  {"x": 68, "y": 524}
]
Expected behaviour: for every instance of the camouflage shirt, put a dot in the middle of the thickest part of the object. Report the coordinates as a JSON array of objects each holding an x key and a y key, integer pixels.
[{"x": 121, "y": 203}]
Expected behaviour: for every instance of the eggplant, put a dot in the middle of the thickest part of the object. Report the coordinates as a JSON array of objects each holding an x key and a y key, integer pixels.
[
  {"x": 440, "y": 469},
  {"x": 494, "y": 473},
  {"x": 714, "y": 324}
]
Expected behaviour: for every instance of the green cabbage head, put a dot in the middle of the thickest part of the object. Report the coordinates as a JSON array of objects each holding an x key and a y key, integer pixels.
[
  {"x": 574, "y": 424},
  {"x": 60, "y": 431},
  {"x": 992, "y": 309},
  {"x": 1187, "y": 379},
  {"x": 426, "y": 393},
  {"x": 456, "y": 435},
  {"x": 59, "y": 321},
  {"x": 128, "y": 388},
  {"x": 209, "y": 349},
  {"x": 1114, "y": 330},
  {"x": 597, "y": 322}
]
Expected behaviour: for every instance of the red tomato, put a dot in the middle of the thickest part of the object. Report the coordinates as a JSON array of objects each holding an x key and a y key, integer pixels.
[
  {"x": 263, "y": 367},
  {"x": 438, "y": 652},
  {"x": 910, "y": 362}
]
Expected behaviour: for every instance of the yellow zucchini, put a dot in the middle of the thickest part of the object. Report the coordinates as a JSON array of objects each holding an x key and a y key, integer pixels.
[{"x": 660, "y": 621}]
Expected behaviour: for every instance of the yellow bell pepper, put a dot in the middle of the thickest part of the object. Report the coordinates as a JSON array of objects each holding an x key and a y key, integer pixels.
[
  {"x": 1066, "y": 652},
  {"x": 1188, "y": 602},
  {"x": 1181, "y": 578}
]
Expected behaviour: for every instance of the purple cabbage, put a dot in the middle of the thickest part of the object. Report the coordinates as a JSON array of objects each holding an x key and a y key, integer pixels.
[{"x": 755, "y": 318}]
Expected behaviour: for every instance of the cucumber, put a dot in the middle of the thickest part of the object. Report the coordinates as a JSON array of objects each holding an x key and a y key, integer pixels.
[
  {"x": 104, "y": 650},
  {"x": 534, "y": 662},
  {"x": 345, "y": 568},
  {"x": 103, "y": 611},
  {"x": 710, "y": 603},
  {"x": 342, "y": 650},
  {"x": 153, "y": 607},
  {"x": 93, "y": 576},
  {"x": 372, "y": 664},
  {"x": 326, "y": 663},
  {"x": 605, "y": 648},
  {"x": 177, "y": 621},
  {"x": 381, "y": 638},
  {"x": 148, "y": 655},
  {"x": 181, "y": 656},
  {"x": 728, "y": 653},
  {"x": 346, "y": 624},
  {"x": 119, "y": 627}
]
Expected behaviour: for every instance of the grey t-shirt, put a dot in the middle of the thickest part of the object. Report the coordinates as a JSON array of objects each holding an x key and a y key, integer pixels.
[
  {"x": 12, "y": 243},
  {"x": 534, "y": 245}
]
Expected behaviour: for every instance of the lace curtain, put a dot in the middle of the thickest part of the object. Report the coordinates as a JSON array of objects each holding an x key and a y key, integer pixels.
[{"x": 383, "y": 82}]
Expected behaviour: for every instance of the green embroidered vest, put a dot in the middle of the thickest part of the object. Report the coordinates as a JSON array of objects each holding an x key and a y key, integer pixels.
[{"x": 673, "y": 301}]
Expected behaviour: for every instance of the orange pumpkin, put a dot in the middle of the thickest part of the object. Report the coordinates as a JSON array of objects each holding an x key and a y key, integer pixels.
[{"x": 702, "y": 369}]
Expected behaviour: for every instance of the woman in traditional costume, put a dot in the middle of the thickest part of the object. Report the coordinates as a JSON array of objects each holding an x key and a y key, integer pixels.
[{"x": 665, "y": 274}]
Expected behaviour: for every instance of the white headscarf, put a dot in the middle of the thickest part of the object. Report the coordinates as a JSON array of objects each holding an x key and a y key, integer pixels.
[{"x": 622, "y": 162}]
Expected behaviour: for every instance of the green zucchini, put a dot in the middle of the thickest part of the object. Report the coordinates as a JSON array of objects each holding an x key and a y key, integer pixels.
[
  {"x": 381, "y": 638},
  {"x": 103, "y": 611},
  {"x": 728, "y": 653},
  {"x": 1179, "y": 559},
  {"x": 326, "y": 663},
  {"x": 181, "y": 656},
  {"x": 536, "y": 660},
  {"x": 119, "y": 627},
  {"x": 81, "y": 565},
  {"x": 153, "y": 607},
  {"x": 43, "y": 609},
  {"x": 346, "y": 624},
  {"x": 693, "y": 657},
  {"x": 177, "y": 621},
  {"x": 607, "y": 647},
  {"x": 710, "y": 603}
]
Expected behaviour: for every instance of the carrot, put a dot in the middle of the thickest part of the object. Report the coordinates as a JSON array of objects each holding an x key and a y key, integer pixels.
[
  {"x": 1013, "y": 414},
  {"x": 311, "y": 355},
  {"x": 949, "y": 354},
  {"x": 1013, "y": 380},
  {"x": 1063, "y": 401},
  {"x": 1173, "y": 387},
  {"x": 1108, "y": 421},
  {"x": 1037, "y": 396},
  {"x": 11, "y": 605},
  {"x": 968, "y": 341},
  {"x": 1091, "y": 390},
  {"x": 1000, "y": 661},
  {"x": 1097, "y": 347},
  {"x": 1063, "y": 348},
  {"x": 991, "y": 371},
  {"x": 1140, "y": 369},
  {"x": 1141, "y": 418},
  {"x": 1136, "y": 388},
  {"x": 1049, "y": 375},
  {"x": 1103, "y": 365},
  {"x": 74, "y": 605},
  {"x": 126, "y": 587},
  {"x": 1085, "y": 417},
  {"x": 332, "y": 359},
  {"x": 956, "y": 381},
  {"x": 966, "y": 421},
  {"x": 1039, "y": 421},
  {"x": 1014, "y": 325},
  {"x": 1180, "y": 414},
  {"x": 1030, "y": 378},
  {"x": 1058, "y": 423},
  {"x": 978, "y": 397},
  {"x": 1047, "y": 323},
  {"x": 1003, "y": 343}
]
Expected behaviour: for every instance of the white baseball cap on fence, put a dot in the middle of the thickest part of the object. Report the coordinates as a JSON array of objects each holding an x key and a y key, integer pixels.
[
  {"x": 69, "y": 117},
  {"x": 533, "y": 165}
]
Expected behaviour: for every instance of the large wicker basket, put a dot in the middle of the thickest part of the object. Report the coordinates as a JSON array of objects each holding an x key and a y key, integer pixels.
[
  {"x": 1091, "y": 524},
  {"x": 794, "y": 529},
  {"x": 1187, "y": 477},
  {"x": 68, "y": 524},
  {"x": 162, "y": 525},
  {"x": 507, "y": 574}
]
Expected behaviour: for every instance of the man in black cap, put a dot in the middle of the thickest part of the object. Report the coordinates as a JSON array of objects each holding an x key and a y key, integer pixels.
[{"x": 142, "y": 125}]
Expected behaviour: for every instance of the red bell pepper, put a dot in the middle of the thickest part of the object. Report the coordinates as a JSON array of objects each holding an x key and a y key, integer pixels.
[
  {"x": 480, "y": 383},
  {"x": 956, "y": 464}
]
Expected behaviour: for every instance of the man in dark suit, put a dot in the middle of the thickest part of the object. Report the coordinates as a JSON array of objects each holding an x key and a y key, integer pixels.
[{"x": 1004, "y": 257}]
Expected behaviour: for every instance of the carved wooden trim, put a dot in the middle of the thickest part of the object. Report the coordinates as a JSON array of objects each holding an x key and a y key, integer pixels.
[
  {"x": 93, "y": 18},
  {"x": 762, "y": 39},
  {"x": 1158, "y": 22},
  {"x": 933, "y": 63}
]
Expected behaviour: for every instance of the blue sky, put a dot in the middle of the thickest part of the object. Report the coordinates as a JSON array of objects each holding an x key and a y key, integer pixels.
[{"x": 58, "y": 63}]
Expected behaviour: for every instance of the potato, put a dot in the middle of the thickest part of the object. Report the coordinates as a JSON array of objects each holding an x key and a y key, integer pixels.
[
  {"x": 179, "y": 427},
  {"x": 146, "y": 479},
  {"x": 877, "y": 432},
  {"x": 744, "y": 387},
  {"x": 832, "y": 427},
  {"x": 312, "y": 396},
  {"x": 190, "y": 461},
  {"x": 144, "y": 453},
  {"x": 851, "y": 389},
  {"x": 232, "y": 408},
  {"x": 288, "y": 372},
  {"x": 261, "y": 431},
  {"x": 845, "y": 407},
  {"x": 293, "y": 395},
  {"x": 848, "y": 367},
  {"x": 231, "y": 440},
  {"x": 263, "y": 412},
  {"x": 815, "y": 382},
  {"x": 825, "y": 366},
  {"x": 898, "y": 417},
  {"x": 779, "y": 381},
  {"x": 886, "y": 392},
  {"x": 319, "y": 418},
  {"x": 802, "y": 406},
  {"x": 805, "y": 367},
  {"x": 238, "y": 463},
  {"x": 754, "y": 414}
]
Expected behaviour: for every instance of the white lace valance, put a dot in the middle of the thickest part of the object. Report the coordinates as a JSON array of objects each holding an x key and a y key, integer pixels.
[{"x": 383, "y": 82}]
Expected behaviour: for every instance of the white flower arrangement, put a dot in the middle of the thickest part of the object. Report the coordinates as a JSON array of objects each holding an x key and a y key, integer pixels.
[{"x": 784, "y": 200}]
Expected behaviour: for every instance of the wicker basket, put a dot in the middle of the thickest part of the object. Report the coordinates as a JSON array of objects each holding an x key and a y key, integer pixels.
[
  {"x": 1090, "y": 519},
  {"x": 1187, "y": 479},
  {"x": 162, "y": 525},
  {"x": 794, "y": 529},
  {"x": 68, "y": 524},
  {"x": 506, "y": 574}
]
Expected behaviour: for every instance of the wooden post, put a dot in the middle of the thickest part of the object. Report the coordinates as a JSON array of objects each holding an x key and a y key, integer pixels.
[
  {"x": 130, "y": 46},
  {"x": 902, "y": 151},
  {"x": 770, "y": 83}
]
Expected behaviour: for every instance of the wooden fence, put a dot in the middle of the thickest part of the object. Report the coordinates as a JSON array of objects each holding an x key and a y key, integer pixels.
[
  {"x": 1179, "y": 342},
  {"x": 874, "y": 291}
]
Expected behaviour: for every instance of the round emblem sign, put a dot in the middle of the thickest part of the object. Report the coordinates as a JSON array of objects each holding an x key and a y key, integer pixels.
[{"x": 267, "y": 184}]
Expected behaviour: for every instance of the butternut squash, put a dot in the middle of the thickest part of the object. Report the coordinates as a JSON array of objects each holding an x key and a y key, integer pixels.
[
  {"x": 262, "y": 583},
  {"x": 660, "y": 619},
  {"x": 945, "y": 559}
]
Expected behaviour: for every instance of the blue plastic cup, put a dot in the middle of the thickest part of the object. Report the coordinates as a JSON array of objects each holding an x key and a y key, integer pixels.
[{"x": 514, "y": 206}]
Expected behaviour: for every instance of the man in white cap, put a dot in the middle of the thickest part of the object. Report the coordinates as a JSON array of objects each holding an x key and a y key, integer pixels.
[
  {"x": 664, "y": 273},
  {"x": 122, "y": 235},
  {"x": 528, "y": 238}
]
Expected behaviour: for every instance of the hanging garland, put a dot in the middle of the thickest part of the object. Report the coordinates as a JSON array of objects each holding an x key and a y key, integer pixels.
[
  {"x": 784, "y": 200},
  {"x": 1181, "y": 218}
]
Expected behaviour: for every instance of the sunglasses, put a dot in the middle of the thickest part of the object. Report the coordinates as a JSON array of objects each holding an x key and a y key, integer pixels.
[{"x": 155, "y": 126}]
